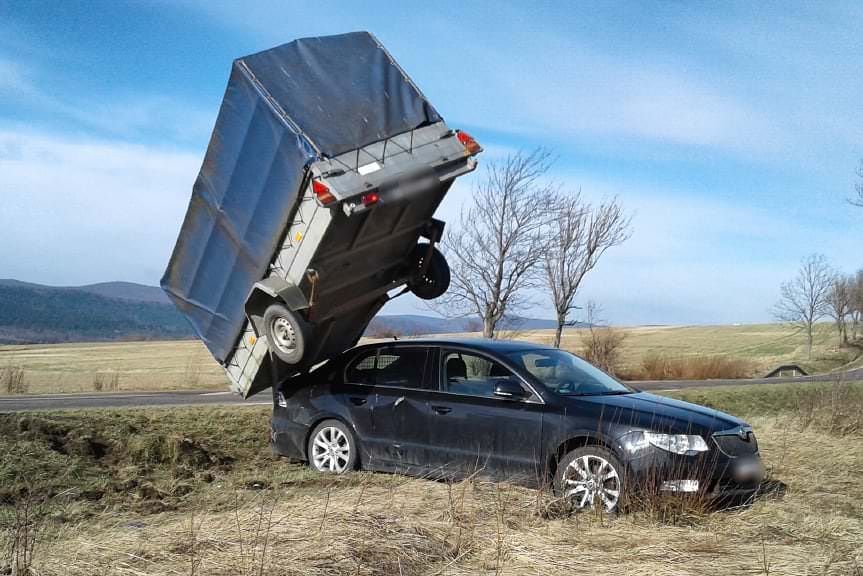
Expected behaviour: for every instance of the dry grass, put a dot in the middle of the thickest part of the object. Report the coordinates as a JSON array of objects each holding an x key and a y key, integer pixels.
[
  {"x": 763, "y": 346},
  {"x": 388, "y": 525},
  {"x": 259, "y": 516},
  {"x": 186, "y": 365},
  {"x": 656, "y": 366},
  {"x": 175, "y": 365}
]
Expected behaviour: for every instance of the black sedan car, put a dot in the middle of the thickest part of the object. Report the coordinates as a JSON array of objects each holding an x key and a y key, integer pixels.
[{"x": 514, "y": 411}]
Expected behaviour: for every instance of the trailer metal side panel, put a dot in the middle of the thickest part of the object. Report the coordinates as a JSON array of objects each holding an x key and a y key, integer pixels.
[{"x": 283, "y": 108}]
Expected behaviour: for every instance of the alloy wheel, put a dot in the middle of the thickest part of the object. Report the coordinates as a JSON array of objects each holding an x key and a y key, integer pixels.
[
  {"x": 331, "y": 450},
  {"x": 591, "y": 479}
]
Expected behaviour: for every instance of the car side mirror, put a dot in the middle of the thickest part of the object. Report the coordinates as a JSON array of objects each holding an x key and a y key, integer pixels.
[{"x": 510, "y": 389}]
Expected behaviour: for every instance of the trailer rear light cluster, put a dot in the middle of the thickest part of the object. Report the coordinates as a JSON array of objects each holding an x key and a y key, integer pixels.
[
  {"x": 323, "y": 193},
  {"x": 471, "y": 145},
  {"x": 370, "y": 198}
]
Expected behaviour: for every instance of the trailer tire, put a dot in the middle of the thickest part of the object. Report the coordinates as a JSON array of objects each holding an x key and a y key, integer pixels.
[
  {"x": 286, "y": 333},
  {"x": 435, "y": 281}
]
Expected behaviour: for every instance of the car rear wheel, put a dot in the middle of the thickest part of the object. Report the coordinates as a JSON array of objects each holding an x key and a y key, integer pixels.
[
  {"x": 332, "y": 448},
  {"x": 590, "y": 477},
  {"x": 286, "y": 333},
  {"x": 436, "y": 279}
]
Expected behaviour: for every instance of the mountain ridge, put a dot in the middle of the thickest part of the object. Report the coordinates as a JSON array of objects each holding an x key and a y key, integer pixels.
[{"x": 32, "y": 313}]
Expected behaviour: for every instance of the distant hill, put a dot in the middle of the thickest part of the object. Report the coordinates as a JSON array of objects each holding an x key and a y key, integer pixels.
[
  {"x": 34, "y": 313},
  {"x": 128, "y": 291}
]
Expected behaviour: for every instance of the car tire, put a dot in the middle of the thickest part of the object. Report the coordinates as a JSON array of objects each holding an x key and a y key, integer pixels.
[
  {"x": 286, "y": 333},
  {"x": 332, "y": 448},
  {"x": 591, "y": 476},
  {"x": 436, "y": 279}
]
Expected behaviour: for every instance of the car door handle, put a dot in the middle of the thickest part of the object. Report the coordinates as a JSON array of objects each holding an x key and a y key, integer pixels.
[
  {"x": 442, "y": 409},
  {"x": 357, "y": 401}
]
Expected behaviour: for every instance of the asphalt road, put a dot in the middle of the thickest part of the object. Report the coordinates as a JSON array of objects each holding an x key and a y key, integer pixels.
[{"x": 26, "y": 403}]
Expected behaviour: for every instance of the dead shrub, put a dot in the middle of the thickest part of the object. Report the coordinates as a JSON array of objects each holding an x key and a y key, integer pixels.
[
  {"x": 21, "y": 530},
  {"x": 836, "y": 409},
  {"x": 656, "y": 366},
  {"x": 601, "y": 346},
  {"x": 106, "y": 382},
  {"x": 12, "y": 380}
]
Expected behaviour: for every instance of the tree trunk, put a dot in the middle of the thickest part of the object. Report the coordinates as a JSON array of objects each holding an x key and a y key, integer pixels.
[
  {"x": 488, "y": 327},
  {"x": 558, "y": 332},
  {"x": 809, "y": 348}
]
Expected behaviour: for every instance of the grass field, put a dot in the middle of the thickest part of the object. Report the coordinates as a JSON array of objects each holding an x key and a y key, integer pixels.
[
  {"x": 184, "y": 365},
  {"x": 166, "y": 365},
  {"x": 764, "y": 346},
  {"x": 195, "y": 491}
]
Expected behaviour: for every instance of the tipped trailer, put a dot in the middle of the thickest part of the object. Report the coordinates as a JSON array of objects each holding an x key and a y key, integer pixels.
[{"x": 314, "y": 206}]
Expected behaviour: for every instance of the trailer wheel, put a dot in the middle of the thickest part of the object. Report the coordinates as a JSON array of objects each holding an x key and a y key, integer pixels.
[
  {"x": 435, "y": 281},
  {"x": 286, "y": 333}
]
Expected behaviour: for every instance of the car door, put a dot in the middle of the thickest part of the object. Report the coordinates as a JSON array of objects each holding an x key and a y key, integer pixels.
[
  {"x": 472, "y": 430},
  {"x": 353, "y": 389},
  {"x": 400, "y": 410}
]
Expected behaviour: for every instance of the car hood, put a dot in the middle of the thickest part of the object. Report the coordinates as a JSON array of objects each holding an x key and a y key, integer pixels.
[{"x": 645, "y": 410}]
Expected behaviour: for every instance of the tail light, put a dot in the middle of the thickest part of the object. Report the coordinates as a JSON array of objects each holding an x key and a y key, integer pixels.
[
  {"x": 323, "y": 193},
  {"x": 471, "y": 145},
  {"x": 370, "y": 198}
]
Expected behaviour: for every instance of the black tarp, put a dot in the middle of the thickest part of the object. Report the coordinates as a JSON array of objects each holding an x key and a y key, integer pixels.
[{"x": 283, "y": 108}]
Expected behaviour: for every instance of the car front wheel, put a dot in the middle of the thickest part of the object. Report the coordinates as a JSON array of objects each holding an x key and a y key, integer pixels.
[
  {"x": 590, "y": 477},
  {"x": 332, "y": 448}
]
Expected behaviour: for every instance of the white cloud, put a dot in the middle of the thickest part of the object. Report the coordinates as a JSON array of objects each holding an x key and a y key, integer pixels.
[{"x": 77, "y": 211}]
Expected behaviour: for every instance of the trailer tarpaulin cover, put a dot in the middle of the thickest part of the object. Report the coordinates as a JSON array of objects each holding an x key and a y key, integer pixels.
[{"x": 282, "y": 108}]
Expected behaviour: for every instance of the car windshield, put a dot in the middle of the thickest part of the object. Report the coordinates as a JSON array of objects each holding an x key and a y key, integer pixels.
[{"x": 567, "y": 374}]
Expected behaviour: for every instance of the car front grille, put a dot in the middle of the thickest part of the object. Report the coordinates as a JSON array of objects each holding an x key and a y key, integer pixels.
[{"x": 736, "y": 442}]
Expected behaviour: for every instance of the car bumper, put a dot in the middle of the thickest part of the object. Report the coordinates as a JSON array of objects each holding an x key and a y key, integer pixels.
[{"x": 712, "y": 475}]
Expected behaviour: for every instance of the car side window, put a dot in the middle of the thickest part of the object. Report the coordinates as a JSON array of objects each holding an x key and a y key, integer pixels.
[
  {"x": 472, "y": 375},
  {"x": 362, "y": 369},
  {"x": 399, "y": 367}
]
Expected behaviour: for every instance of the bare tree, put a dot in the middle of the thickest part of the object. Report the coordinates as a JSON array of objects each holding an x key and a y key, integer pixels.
[
  {"x": 858, "y": 188},
  {"x": 856, "y": 304},
  {"x": 579, "y": 235},
  {"x": 839, "y": 304},
  {"x": 804, "y": 299},
  {"x": 494, "y": 251}
]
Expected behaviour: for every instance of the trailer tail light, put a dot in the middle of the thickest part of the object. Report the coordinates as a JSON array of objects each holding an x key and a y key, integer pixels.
[
  {"x": 370, "y": 199},
  {"x": 323, "y": 193},
  {"x": 471, "y": 145}
]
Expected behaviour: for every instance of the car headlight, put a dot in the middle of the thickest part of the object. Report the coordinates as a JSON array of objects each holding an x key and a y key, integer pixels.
[{"x": 688, "y": 444}]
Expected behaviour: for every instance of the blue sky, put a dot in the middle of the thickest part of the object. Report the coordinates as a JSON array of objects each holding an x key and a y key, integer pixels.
[{"x": 731, "y": 131}]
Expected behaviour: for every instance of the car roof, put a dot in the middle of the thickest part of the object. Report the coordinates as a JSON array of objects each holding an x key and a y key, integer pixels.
[{"x": 482, "y": 344}]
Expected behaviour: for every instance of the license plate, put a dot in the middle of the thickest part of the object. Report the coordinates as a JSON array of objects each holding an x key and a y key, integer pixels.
[{"x": 749, "y": 470}]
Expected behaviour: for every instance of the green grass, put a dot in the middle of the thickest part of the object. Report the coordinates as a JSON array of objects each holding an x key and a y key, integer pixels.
[{"x": 770, "y": 399}]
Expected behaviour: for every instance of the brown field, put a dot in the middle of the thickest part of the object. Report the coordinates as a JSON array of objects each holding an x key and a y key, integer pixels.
[
  {"x": 185, "y": 365},
  {"x": 194, "y": 491},
  {"x": 168, "y": 365},
  {"x": 761, "y": 346}
]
